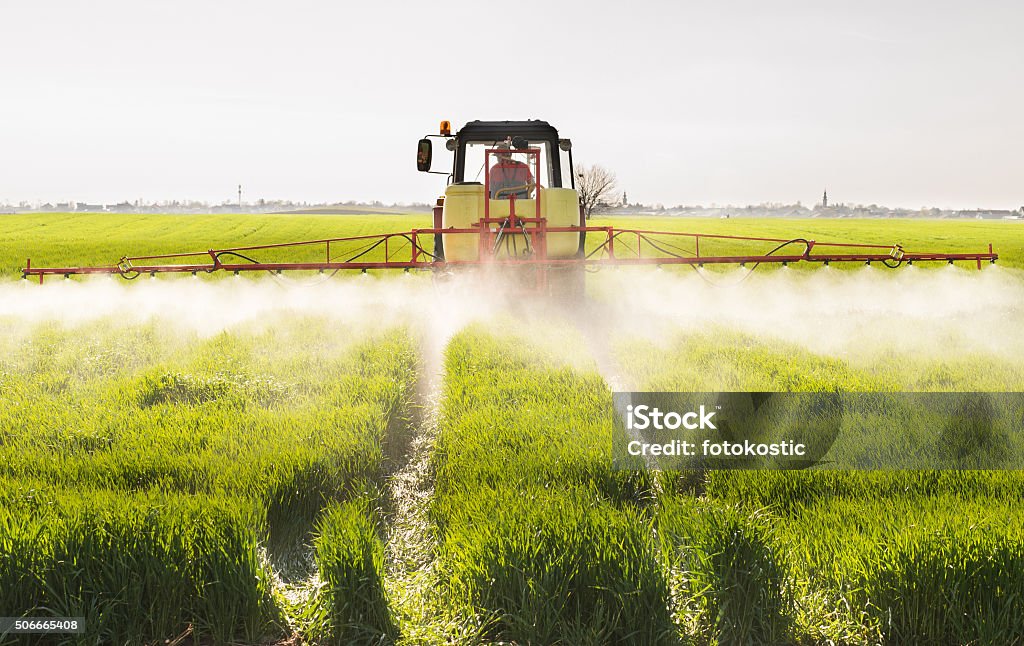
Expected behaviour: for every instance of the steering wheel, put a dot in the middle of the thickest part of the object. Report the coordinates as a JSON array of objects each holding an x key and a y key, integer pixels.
[{"x": 528, "y": 187}]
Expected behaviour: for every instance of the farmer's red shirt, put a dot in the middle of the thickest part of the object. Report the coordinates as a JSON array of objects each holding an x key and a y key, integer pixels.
[{"x": 508, "y": 173}]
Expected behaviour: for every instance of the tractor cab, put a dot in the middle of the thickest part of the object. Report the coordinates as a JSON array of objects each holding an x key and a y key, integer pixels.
[
  {"x": 475, "y": 138},
  {"x": 508, "y": 181}
]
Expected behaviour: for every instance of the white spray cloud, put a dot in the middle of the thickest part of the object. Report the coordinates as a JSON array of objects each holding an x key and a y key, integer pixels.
[
  {"x": 857, "y": 314},
  {"x": 358, "y": 305}
]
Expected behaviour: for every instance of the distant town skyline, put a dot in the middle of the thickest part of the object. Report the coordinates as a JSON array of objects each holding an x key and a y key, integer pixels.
[
  {"x": 825, "y": 209},
  {"x": 261, "y": 202},
  {"x": 730, "y": 102}
]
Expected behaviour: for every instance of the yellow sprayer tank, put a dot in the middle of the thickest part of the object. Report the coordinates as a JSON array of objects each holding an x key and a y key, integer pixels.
[{"x": 464, "y": 206}]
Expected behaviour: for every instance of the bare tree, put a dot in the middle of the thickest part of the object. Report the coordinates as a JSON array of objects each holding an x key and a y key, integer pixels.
[{"x": 595, "y": 184}]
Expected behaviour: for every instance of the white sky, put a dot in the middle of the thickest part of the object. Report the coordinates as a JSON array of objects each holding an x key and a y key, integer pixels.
[{"x": 898, "y": 103}]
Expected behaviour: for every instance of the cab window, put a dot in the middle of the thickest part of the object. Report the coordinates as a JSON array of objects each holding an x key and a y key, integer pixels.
[{"x": 473, "y": 170}]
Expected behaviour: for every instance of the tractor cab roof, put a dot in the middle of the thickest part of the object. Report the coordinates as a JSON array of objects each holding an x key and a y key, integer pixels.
[{"x": 495, "y": 130}]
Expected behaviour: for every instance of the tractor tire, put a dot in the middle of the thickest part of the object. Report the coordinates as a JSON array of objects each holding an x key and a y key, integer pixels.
[
  {"x": 438, "y": 246},
  {"x": 582, "y": 253}
]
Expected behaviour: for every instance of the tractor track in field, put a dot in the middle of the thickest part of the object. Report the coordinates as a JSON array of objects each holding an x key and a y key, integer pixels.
[{"x": 408, "y": 491}]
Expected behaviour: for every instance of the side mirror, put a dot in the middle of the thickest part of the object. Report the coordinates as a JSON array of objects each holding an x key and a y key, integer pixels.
[
  {"x": 424, "y": 153},
  {"x": 520, "y": 143}
]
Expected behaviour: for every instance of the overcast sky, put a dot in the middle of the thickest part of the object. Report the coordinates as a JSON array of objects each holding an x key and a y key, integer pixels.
[{"x": 897, "y": 102}]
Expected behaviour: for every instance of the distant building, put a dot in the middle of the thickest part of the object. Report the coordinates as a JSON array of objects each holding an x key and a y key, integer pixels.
[
  {"x": 122, "y": 207},
  {"x": 824, "y": 199},
  {"x": 988, "y": 214}
]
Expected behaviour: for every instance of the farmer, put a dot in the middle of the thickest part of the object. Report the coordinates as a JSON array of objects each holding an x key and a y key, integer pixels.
[{"x": 508, "y": 176}]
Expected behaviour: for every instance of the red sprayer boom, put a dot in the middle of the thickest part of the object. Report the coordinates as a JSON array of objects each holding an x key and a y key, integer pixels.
[{"x": 616, "y": 247}]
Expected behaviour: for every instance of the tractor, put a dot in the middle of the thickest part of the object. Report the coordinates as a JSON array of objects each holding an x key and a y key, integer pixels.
[{"x": 510, "y": 208}]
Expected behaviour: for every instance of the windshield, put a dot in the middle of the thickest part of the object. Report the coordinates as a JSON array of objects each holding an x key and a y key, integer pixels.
[{"x": 473, "y": 170}]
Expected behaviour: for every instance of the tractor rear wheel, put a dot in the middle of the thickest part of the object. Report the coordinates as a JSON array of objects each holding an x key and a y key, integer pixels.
[{"x": 438, "y": 246}]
